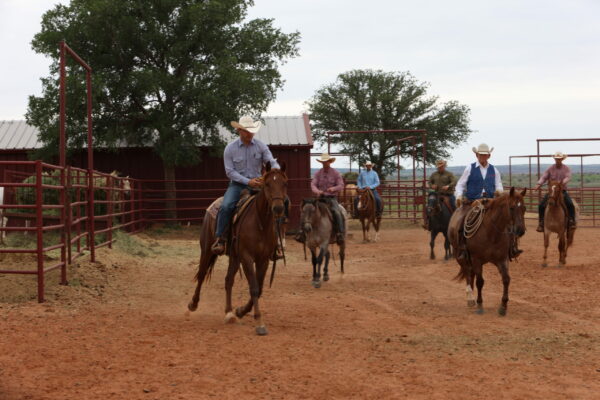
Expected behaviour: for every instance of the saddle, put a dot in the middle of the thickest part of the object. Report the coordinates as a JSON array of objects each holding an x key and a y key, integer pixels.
[{"x": 446, "y": 200}]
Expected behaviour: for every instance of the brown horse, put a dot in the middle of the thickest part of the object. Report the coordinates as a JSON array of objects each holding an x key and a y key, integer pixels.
[
  {"x": 367, "y": 212},
  {"x": 502, "y": 222},
  {"x": 346, "y": 197},
  {"x": 556, "y": 220},
  {"x": 253, "y": 243}
]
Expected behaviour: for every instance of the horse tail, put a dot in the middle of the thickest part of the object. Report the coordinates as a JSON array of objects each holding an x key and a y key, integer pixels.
[
  {"x": 570, "y": 236},
  {"x": 466, "y": 268},
  {"x": 209, "y": 268}
]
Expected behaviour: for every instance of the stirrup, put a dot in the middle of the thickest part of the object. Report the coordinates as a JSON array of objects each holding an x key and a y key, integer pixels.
[
  {"x": 540, "y": 228},
  {"x": 218, "y": 246}
]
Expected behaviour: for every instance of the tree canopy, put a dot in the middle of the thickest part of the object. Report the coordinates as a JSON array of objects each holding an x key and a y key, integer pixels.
[
  {"x": 166, "y": 73},
  {"x": 362, "y": 100}
]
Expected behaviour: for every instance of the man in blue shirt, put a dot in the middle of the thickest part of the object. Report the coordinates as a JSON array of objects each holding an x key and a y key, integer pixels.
[
  {"x": 243, "y": 158},
  {"x": 369, "y": 179}
]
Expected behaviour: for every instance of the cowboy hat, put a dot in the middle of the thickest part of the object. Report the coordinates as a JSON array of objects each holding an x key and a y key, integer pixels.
[
  {"x": 483, "y": 149},
  {"x": 247, "y": 123},
  {"x": 559, "y": 155},
  {"x": 325, "y": 157},
  {"x": 439, "y": 163},
  {"x": 368, "y": 163}
]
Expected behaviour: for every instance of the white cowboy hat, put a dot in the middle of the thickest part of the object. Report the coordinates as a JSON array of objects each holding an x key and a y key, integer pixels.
[
  {"x": 439, "y": 163},
  {"x": 483, "y": 149},
  {"x": 368, "y": 163},
  {"x": 325, "y": 157},
  {"x": 559, "y": 155},
  {"x": 247, "y": 123}
]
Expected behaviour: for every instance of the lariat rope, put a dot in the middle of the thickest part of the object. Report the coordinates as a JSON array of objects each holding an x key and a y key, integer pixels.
[{"x": 474, "y": 220}]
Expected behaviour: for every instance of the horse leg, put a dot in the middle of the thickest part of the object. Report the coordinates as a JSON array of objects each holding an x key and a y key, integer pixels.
[
  {"x": 470, "y": 299},
  {"x": 342, "y": 254},
  {"x": 315, "y": 281},
  {"x": 448, "y": 253},
  {"x": 562, "y": 249},
  {"x": 326, "y": 267},
  {"x": 206, "y": 260},
  {"x": 362, "y": 222},
  {"x": 432, "y": 244},
  {"x": 234, "y": 266},
  {"x": 261, "y": 271},
  {"x": 378, "y": 224},
  {"x": 546, "y": 244},
  {"x": 503, "y": 269},
  {"x": 317, "y": 270},
  {"x": 480, "y": 282}
]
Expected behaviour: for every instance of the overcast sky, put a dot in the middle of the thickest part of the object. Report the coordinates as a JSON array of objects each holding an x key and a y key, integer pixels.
[{"x": 527, "y": 69}]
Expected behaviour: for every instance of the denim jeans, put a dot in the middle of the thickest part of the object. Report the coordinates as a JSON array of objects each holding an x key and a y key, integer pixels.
[{"x": 230, "y": 200}]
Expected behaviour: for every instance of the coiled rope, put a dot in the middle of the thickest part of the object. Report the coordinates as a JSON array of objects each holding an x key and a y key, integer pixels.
[{"x": 474, "y": 220}]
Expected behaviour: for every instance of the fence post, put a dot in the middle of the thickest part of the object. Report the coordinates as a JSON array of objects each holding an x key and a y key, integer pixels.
[
  {"x": 110, "y": 209},
  {"x": 68, "y": 212},
  {"x": 39, "y": 223},
  {"x": 92, "y": 235}
]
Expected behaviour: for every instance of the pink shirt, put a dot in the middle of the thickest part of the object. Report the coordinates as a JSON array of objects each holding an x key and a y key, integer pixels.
[
  {"x": 325, "y": 180},
  {"x": 562, "y": 174}
]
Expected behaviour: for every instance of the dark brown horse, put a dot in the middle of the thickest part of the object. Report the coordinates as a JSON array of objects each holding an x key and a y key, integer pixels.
[
  {"x": 495, "y": 240},
  {"x": 556, "y": 220},
  {"x": 253, "y": 243},
  {"x": 367, "y": 212}
]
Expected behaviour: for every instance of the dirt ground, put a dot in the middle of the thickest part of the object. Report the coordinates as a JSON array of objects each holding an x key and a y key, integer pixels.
[{"x": 395, "y": 325}]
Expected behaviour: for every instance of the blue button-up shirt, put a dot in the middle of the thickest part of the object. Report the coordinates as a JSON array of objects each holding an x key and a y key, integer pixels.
[
  {"x": 368, "y": 179},
  {"x": 243, "y": 163}
]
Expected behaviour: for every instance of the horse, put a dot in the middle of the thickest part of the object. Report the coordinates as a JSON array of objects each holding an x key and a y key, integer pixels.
[
  {"x": 253, "y": 242},
  {"x": 347, "y": 197},
  {"x": 492, "y": 230},
  {"x": 367, "y": 211},
  {"x": 317, "y": 224},
  {"x": 438, "y": 213},
  {"x": 556, "y": 220}
]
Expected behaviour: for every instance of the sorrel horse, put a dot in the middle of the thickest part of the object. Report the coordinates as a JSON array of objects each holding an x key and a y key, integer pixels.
[
  {"x": 254, "y": 239},
  {"x": 492, "y": 238},
  {"x": 556, "y": 219},
  {"x": 438, "y": 213},
  {"x": 317, "y": 224},
  {"x": 367, "y": 212}
]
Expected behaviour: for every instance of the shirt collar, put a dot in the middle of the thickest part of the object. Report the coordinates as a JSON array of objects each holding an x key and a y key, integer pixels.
[
  {"x": 477, "y": 164},
  {"x": 242, "y": 143}
]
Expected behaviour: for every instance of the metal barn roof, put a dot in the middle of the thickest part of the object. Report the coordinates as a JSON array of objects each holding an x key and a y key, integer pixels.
[{"x": 276, "y": 131}]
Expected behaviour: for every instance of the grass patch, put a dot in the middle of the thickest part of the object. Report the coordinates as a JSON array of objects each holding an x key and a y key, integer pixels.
[{"x": 132, "y": 245}]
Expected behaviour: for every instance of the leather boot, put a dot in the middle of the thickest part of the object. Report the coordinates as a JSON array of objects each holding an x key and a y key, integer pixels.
[{"x": 218, "y": 246}]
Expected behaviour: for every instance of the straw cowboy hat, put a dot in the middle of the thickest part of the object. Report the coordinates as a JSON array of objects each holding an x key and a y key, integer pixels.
[
  {"x": 483, "y": 149},
  {"x": 559, "y": 155},
  {"x": 368, "y": 163},
  {"x": 325, "y": 157},
  {"x": 440, "y": 163},
  {"x": 247, "y": 123}
]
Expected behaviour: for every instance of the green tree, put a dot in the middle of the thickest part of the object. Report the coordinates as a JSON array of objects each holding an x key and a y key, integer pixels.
[
  {"x": 166, "y": 73},
  {"x": 377, "y": 100}
]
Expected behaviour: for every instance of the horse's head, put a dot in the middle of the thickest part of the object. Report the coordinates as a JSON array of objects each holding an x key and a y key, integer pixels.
[
  {"x": 363, "y": 198},
  {"x": 516, "y": 204},
  {"x": 555, "y": 188},
  {"x": 308, "y": 209},
  {"x": 433, "y": 203},
  {"x": 275, "y": 188}
]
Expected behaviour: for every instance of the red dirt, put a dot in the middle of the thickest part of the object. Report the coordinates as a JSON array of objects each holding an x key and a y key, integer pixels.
[{"x": 394, "y": 326}]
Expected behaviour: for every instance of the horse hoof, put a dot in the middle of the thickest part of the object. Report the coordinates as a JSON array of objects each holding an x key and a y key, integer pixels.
[
  {"x": 261, "y": 330},
  {"x": 544, "y": 265},
  {"x": 471, "y": 303},
  {"x": 230, "y": 318},
  {"x": 192, "y": 307},
  {"x": 316, "y": 284},
  {"x": 325, "y": 278},
  {"x": 502, "y": 311},
  {"x": 238, "y": 313},
  {"x": 561, "y": 264},
  {"x": 479, "y": 311},
  {"x": 432, "y": 257}
]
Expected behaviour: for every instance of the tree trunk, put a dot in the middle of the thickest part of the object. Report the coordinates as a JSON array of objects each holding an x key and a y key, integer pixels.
[{"x": 170, "y": 195}]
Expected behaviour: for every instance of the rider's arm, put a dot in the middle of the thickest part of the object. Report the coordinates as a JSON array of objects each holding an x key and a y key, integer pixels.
[
  {"x": 374, "y": 185},
  {"x": 568, "y": 175},
  {"x": 544, "y": 177},
  {"x": 229, "y": 167},
  {"x": 462, "y": 182},
  {"x": 267, "y": 156},
  {"x": 360, "y": 182},
  {"x": 499, "y": 187},
  {"x": 313, "y": 183}
]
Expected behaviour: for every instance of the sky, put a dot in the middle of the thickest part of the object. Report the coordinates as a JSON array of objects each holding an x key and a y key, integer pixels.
[{"x": 527, "y": 69}]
